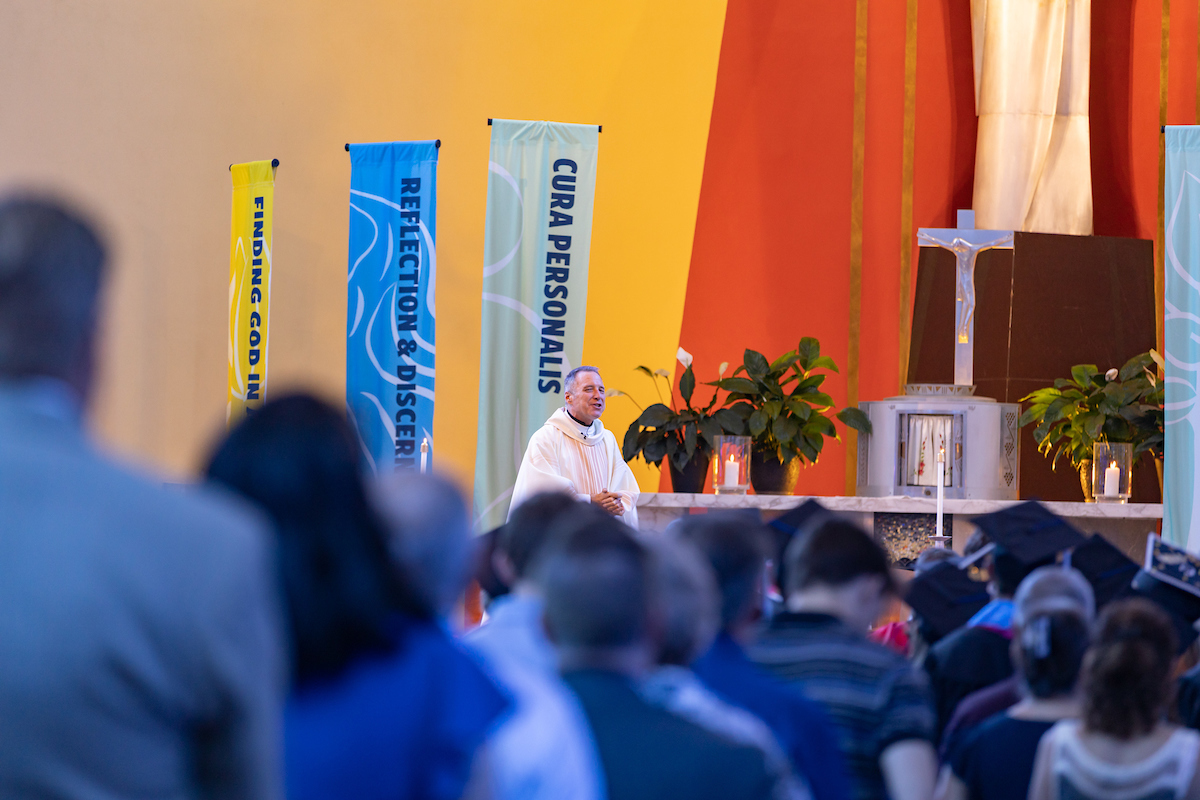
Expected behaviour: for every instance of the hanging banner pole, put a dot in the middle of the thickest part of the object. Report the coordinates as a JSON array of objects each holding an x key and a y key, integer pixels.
[
  {"x": 537, "y": 240},
  {"x": 250, "y": 254},
  {"x": 390, "y": 319},
  {"x": 1181, "y": 337}
]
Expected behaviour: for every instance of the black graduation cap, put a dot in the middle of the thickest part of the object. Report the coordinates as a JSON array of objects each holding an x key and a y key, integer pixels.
[
  {"x": 1171, "y": 578},
  {"x": 1107, "y": 569},
  {"x": 801, "y": 519},
  {"x": 1029, "y": 533},
  {"x": 945, "y": 597}
]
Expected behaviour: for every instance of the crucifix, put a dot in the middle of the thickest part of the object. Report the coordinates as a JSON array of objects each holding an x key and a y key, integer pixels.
[{"x": 966, "y": 243}]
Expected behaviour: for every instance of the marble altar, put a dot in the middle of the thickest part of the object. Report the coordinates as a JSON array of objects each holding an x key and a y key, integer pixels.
[{"x": 1124, "y": 524}]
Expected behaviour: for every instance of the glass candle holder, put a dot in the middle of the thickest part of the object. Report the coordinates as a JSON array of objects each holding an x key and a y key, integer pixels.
[
  {"x": 1112, "y": 468},
  {"x": 731, "y": 465}
]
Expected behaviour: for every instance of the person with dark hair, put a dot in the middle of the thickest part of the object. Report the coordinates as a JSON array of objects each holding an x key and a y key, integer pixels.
[
  {"x": 545, "y": 749},
  {"x": 1123, "y": 747},
  {"x": 575, "y": 454},
  {"x": 383, "y": 703},
  {"x": 686, "y": 595},
  {"x": 601, "y": 616},
  {"x": 1025, "y": 537},
  {"x": 838, "y": 585},
  {"x": 737, "y": 551},
  {"x": 994, "y": 761},
  {"x": 141, "y": 652}
]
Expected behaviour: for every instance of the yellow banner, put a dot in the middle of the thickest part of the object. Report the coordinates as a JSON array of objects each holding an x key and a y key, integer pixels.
[{"x": 250, "y": 245}]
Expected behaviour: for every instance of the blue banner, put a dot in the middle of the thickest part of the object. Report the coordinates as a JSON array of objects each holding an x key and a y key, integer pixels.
[
  {"x": 390, "y": 300},
  {"x": 1181, "y": 338}
]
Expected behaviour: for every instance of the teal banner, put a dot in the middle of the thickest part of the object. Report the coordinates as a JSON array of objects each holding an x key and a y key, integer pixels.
[
  {"x": 541, "y": 184},
  {"x": 1181, "y": 338}
]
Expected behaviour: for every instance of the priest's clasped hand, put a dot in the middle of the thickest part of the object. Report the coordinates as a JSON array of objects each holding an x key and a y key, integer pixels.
[{"x": 610, "y": 502}]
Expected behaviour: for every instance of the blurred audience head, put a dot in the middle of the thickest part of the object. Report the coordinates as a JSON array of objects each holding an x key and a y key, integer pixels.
[
  {"x": 736, "y": 549},
  {"x": 597, "y": 585},
  {"x": 297, "y": 458},
  {"x": 1054, "y": 588},
  {"x": 685, "y": 592},
  {"x": 429, "y": 534},
  {"x": 933, "y": 555},
  {"x": 523, "y": 539},
  {"x": 1047, "y": 649},
  {"x": 1127, "y": 673},
  {"x": 52, "y": 265},
  {"x": 840, "y": 569}
]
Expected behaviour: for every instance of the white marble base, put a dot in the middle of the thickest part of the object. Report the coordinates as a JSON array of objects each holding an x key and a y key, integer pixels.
[{"x": 1124, "y": 524}]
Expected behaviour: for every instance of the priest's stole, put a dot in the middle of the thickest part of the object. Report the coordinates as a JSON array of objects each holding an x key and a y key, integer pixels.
[
  {"x": 390, "y": 315},
  {"x": 537, "y": 239}
]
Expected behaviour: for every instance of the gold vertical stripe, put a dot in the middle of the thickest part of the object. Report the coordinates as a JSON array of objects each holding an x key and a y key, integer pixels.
[
  {"x": 906, "y": 184},
  {"x": 858, "y": 156},
  {"x": 1159, "y": 237}
]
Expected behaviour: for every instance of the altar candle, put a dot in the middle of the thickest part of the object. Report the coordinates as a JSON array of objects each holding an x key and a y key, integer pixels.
[
  {"x": 1112, "y": 480},
  {"x": 732, "y": 470},
  {"x": 941, "y": 488},
  {"x": 424, "y": 454}
]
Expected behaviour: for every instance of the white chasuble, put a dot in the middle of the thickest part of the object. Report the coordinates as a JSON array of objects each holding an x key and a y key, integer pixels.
[
  {"x": 1033, "y": 169},
  {"x": 564, "y": 456}
]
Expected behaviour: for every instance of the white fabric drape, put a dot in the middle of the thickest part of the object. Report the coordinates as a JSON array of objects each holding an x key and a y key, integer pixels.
[{"x": 1033, "y": 155}]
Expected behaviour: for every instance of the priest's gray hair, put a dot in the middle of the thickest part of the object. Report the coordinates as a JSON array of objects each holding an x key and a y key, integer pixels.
[
  {"x": 429, "y": 531},
  {"x": 569, "y": 381},
  {"x": 51, "y": 269}
]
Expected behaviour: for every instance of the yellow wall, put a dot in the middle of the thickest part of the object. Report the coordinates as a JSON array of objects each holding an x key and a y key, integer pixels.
[{"x": 137, "y": 107}]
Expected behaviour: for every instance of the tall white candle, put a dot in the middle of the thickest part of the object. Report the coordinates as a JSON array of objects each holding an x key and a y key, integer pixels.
[
  {"x": 1112, "y": 481},
  {"x": 941, "y": 489},
  {"x": 732, "y": 470}
]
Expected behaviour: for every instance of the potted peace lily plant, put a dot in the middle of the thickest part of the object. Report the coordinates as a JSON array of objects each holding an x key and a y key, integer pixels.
[
  {"x": 780, "y": 405},
  {"x": 685, "y": 436},
  {"x": 1120, "y": 405}
]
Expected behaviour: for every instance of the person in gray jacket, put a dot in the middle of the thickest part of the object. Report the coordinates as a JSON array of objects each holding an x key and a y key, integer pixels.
[{"x": 140, "y": 642}]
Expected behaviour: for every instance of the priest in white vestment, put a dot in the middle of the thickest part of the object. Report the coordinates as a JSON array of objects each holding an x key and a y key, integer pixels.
[{"x": 574, "y": 453}]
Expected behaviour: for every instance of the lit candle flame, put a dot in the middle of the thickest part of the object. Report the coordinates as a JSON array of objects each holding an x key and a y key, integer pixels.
[{"x": 1113, "y": 464}]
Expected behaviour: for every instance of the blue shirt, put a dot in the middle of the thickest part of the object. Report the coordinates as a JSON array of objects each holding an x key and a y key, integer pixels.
[
  {"x": 802, "y": 727},
  {"x": 404, "y": 724}
]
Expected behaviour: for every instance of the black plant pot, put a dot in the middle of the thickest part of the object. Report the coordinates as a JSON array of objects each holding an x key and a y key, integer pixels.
[
  {"x": 690, "y": 479},
  {"x": 768, "y": 475}
]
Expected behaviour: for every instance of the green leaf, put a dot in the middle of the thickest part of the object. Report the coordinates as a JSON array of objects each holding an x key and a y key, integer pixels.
[
  {"x": 689, "y": 439},
  {"x": 1056, "y": 409},
  {"x": 820, "y": 424},
  {"x": 644, "y": 370},
  {"x": 710, "y": 429},
  {"x": 743, "y": 385},
  {"x": 810, "y": 383},
  {"x": 805, "y": 445},
  {"x": 672, "y": 445},
  {"x": 773, "y": 408},
  {"x": 656, "y": 416},
  {"x": 784, "y": 362},
  {"x": 1082, "y": 373},
  {"x": 800, "y": 408},
  {"x": 654, "y": 450},
  {"x": 629, "y": 448},
  {"x": 1135, "y": 366},
  {"x": 1093, "y": 424},
  {"x": 730, "y": 421},
  {"x": 818, "y": 399},
  {"x": 823, "y": 362},
  {"x": 809, "y": 351},
  {"x": 855, "y": 418},
  {"x": 784, "y": 429},
  {"x": 687, "y": 385},
  {"x": 757, "y": 423},
  {"x": 756, "y": 364}
]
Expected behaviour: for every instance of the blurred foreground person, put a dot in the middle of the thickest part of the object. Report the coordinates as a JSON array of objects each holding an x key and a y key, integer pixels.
[
  {"x": 975, "y": 656},
  {"x": 140, "y": 647},
  {"x": 544, "y": 750},
  {"x": 838, "y": 584},
  {"x": 601, "y": 617},
  {"x": 994, "y": 761},
  {"x": 686, "y": 591},
  {"x": 1123, "y": 747},
  {"x": 384, "y": 704},
  {"x": 737, "y": 552}
]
